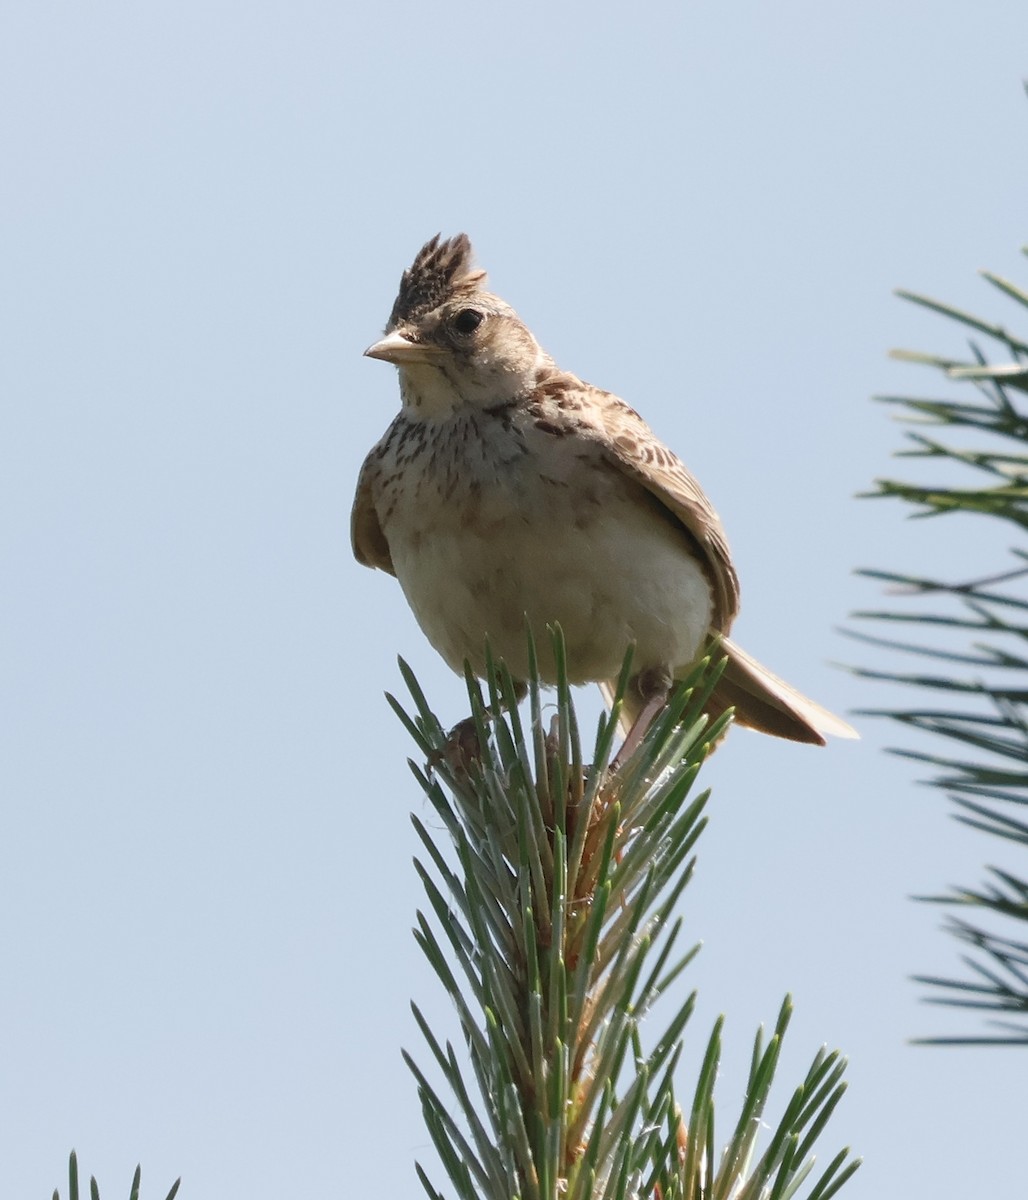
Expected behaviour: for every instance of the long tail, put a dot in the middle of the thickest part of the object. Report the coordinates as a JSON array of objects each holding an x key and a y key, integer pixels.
[
  {"x": 764, "y": 702},
  {"x": 761, "y": 701}
]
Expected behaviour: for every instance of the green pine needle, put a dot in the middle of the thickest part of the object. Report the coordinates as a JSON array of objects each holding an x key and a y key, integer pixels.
[
  {"x": 552, "y": 925},
  {"x": 982, "y": 687}
]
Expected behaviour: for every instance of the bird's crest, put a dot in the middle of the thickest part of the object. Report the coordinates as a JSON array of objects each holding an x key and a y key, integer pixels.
[{"x": 440, "y": 271}]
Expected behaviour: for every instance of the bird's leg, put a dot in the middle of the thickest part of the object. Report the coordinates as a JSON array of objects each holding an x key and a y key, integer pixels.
[
  {"x": 653, "y": 686},
  {"x": 462, "y": 743}
]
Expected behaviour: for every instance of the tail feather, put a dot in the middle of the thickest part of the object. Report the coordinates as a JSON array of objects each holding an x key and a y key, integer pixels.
[
  {"x": 764, "y": 702},
  {"x": 761, "y": 701}
]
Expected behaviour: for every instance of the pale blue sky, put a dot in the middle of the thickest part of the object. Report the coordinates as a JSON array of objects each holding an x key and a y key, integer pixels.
[{"x": 207, "y": 893}]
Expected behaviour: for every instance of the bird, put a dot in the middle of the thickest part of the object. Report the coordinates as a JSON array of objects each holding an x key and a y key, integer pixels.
[{"x": 507, "y": 492}]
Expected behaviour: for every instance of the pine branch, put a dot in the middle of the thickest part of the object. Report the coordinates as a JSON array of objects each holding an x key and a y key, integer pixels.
[
  {"x": 981, "y": 689},
  {"x": 552, "y": 927},
  {"x": 94, "y": 1190}
]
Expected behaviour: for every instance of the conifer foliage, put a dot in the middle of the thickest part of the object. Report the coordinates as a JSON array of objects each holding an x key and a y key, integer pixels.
[
  {"x": 552, "y": 923},
  {"x": 972, "y": 697}
]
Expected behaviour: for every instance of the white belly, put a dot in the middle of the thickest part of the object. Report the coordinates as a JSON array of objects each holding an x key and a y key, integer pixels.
[{"x": 610, "y": 568}]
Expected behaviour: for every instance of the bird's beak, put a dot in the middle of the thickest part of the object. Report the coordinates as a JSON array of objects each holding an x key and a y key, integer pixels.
[{"x": 395, "y": 348}]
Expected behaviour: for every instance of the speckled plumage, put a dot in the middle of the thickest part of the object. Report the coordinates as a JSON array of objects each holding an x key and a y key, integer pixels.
[{"x": 508, "y": 488}]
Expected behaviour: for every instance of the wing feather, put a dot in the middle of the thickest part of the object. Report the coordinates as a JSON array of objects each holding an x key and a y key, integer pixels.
[
  {"x": 631, "y": 445},
  {"x": 370, "y": 547}
]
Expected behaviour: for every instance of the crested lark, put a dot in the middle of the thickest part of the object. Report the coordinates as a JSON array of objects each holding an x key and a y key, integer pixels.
[{"x": 508, "y": 489}]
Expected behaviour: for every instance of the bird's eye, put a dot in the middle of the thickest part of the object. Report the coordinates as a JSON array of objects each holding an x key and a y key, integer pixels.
[{"x": 468, "y": 320}]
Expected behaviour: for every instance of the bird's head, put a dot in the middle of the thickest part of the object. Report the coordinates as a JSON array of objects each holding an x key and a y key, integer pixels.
[{"x": 456, "y": 345}]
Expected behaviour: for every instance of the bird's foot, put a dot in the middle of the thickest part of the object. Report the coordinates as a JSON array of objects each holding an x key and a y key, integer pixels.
[
  {"x": 462, "y": 749},
  {"x": 653, "y": 686}
]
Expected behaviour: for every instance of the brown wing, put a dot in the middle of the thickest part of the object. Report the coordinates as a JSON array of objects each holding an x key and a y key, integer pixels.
[
  {"x": 629, "y": 444},
  {"x": 370, "y": 547}
]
